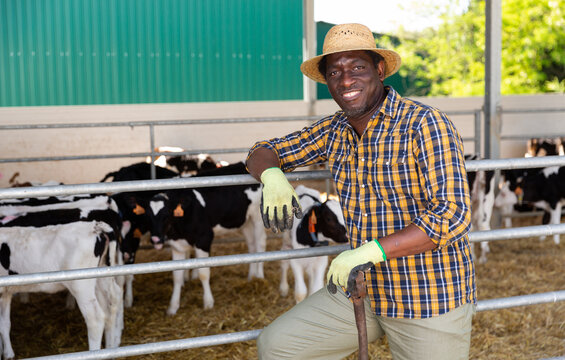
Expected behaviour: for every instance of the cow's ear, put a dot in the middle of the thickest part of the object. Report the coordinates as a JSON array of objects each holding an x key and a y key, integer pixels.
[
  {"x": 138, "y": 210},
  {"x": 178, "y": 212}
]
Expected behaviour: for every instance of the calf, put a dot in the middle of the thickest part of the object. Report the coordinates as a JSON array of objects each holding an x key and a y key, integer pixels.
[
  {"x": 544, "y": 147},
  {"x": 507, "y": 199},
  {"x": 322, "y": 222},
  {"x": 188, "y": 218},
  {"x": 69, "y": 246},
  {"x": 545, "y": 189},
  {"x": 188, "y": 165},
  {"x": 481, "y": 185},
  {"x": 133, "y": 210},
  {"x": 185, "y": 165}
]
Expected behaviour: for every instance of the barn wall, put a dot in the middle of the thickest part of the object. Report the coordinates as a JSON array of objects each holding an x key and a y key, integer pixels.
[{"x": 89, "y": 141}]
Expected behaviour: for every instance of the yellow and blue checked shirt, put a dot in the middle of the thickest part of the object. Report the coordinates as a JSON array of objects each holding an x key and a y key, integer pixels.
[{"x": 407, "y": 167}]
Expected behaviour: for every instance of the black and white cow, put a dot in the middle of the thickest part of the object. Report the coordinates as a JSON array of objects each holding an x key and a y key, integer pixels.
[
  {"x": 322, "y": 222},
  {"x": 189, "y": 218},
  {"x": 507, "y": 200},
  {"x": 544, "y": 189},
  {"x": 481, "y": 185},
  {"x": 84, "y": 208},
  {"x": 188, "y": 165},
  {"x": 133, "y": 205},
  {"x": 544, "y": 147},
  {"x": 185, "y": 165},
  {"x": 68, "y": 246}
]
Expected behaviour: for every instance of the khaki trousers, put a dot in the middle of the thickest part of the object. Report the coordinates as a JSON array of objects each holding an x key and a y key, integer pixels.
[{"x": 322, "y": 326}]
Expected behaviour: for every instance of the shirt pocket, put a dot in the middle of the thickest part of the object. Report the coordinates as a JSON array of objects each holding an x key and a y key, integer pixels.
[{"x": 391, "y": 171}]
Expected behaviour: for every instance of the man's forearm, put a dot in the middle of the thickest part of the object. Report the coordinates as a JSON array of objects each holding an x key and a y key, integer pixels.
[
  {"x": 260, "y": 160},
  {"x": 408, "y": 241}
]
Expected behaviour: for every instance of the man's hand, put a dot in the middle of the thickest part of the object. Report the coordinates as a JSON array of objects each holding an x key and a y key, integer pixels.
[
  {"x": 279, "y": 202},
  {"x": 345, "y": 266}
]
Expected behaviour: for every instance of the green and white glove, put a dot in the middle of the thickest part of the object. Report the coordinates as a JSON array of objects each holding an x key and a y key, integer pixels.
[
  {"x": 345, "y": 266},
  {"x": 279, "y": 202}
]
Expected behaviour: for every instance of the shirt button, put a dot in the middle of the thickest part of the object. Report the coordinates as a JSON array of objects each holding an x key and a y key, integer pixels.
[
  {"x": 365, "y": 214},
  {"x": 387, "y": 162},
  {"x": 363, "y": 185},
  {"x": 362, "y": 159}
]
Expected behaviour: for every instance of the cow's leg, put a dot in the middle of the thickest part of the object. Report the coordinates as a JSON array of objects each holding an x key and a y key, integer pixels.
[
  {"x": 70, "y": 303},
  {"x": 204, "y": 275},
  {"x": 556, "y": 219},
  {"x": 5, "y": 324},
  {"x": 94, "y": 315},
  {"x": 316, "y": 279},
  {"x": 286, "y": 245},
  {"x": 110, "y": 296},
  {"x": 128, "y": 285},
  {"x": 283, "y": 287},
  {"x": 300, "y": 290},
  {"x": 178, "y": 253},
  {"x": 256, "y": 240}
]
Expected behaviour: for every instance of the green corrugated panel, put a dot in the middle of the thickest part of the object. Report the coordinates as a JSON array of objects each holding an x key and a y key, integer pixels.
[{"x": 71, "y": 52}]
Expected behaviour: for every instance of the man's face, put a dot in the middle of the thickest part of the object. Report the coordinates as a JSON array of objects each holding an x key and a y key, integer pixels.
[{"x": 354, "y": 82}]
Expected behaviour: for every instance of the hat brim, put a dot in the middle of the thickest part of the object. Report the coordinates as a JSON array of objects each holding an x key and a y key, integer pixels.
[{"x": 391, "y": 58}]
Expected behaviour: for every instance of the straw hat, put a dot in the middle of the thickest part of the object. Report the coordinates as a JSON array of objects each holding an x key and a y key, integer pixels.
[{"x": 349, "y": 37}]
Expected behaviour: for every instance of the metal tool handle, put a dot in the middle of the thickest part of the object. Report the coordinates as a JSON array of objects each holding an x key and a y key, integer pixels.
[{"x": 358, "y": 296}]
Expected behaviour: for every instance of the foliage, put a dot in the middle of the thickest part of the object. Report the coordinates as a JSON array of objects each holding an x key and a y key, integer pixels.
[{"x": 449, "y": 60}]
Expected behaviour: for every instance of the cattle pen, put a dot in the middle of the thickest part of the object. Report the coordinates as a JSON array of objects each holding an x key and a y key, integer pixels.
[{"x": 557, "y": 295}]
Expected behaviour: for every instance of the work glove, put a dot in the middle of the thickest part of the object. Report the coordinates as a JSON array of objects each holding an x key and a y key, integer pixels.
[
  {"x": 345, "y": 266},
  {"x": 279, "y": 202}
]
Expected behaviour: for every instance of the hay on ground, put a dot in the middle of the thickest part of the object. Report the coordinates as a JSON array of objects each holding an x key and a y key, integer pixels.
[{"x": 514, "y": 267}]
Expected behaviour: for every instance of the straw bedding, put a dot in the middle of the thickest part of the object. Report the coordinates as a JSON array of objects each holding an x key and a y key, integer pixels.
[{"x": 514, "y": 267}]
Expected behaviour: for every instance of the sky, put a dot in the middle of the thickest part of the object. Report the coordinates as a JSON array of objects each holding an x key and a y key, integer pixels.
[{"x": 385, "y": 16}]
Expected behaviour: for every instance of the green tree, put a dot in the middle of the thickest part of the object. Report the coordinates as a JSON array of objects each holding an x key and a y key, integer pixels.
[{"x": 449, "y": 60}]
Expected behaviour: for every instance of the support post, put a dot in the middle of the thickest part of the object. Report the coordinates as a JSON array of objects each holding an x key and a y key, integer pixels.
[
  {"x": 309, "y": 51},
  {"x": 493, "y": 51}
]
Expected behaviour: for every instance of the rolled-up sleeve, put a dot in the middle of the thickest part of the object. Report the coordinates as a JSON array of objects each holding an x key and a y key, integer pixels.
[
  {"x": 300, "y": 148},
  {"x": 439, "y": 152}
]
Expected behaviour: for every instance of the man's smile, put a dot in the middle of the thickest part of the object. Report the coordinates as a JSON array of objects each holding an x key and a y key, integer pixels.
[{"x": 350, "y": 94}]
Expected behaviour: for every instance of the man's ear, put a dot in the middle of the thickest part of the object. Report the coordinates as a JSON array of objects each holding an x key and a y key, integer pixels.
[{"x": 381, "y": 68}]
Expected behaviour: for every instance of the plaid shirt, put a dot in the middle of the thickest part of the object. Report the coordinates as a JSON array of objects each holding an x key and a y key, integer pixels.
[{"x": 407, "y": 168}]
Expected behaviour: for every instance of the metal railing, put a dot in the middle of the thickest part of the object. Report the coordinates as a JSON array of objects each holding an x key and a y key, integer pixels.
[
  {"x": 151, "y": 125},
  {"x": 534, "y": 135},
  {"x": 23, "y": 279}
]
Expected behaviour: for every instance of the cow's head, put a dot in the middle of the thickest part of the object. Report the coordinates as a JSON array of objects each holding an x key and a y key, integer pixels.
[
  {"x": 131, "y": 239},
  {"x": 160, "y": 214},
  {"x": 321, "y": 224},
  {"x": 135, "y": 223},
  {"x": 330, "y": 221}
]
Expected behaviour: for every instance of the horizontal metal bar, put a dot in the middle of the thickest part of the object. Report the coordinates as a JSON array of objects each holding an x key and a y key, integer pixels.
[
  {"x": 213, "y": 340},
  {"x": 516, "y": 233},
  {"x": 195, "y": 182},
  {"x": 515, "y": 163},
  {"x": 538, "y": 110},
  {"x": 158, "y": 347},
  {"x": 128, "y": 155},
  {"x": 528, "y": 137},
  {"x": 161, "y": 266},
  {"x": 523, "y": 300},
  {"x": 226, "y": 260},
  {"x": 133, "y": 124},
  {"x": 144, "y": 185}
]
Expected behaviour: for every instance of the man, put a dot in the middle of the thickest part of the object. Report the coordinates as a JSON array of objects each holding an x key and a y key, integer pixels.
[{"x": 399, "y": 170}]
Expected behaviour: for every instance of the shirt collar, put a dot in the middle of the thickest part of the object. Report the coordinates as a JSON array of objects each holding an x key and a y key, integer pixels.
[{"x": 390, "y": 104}]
